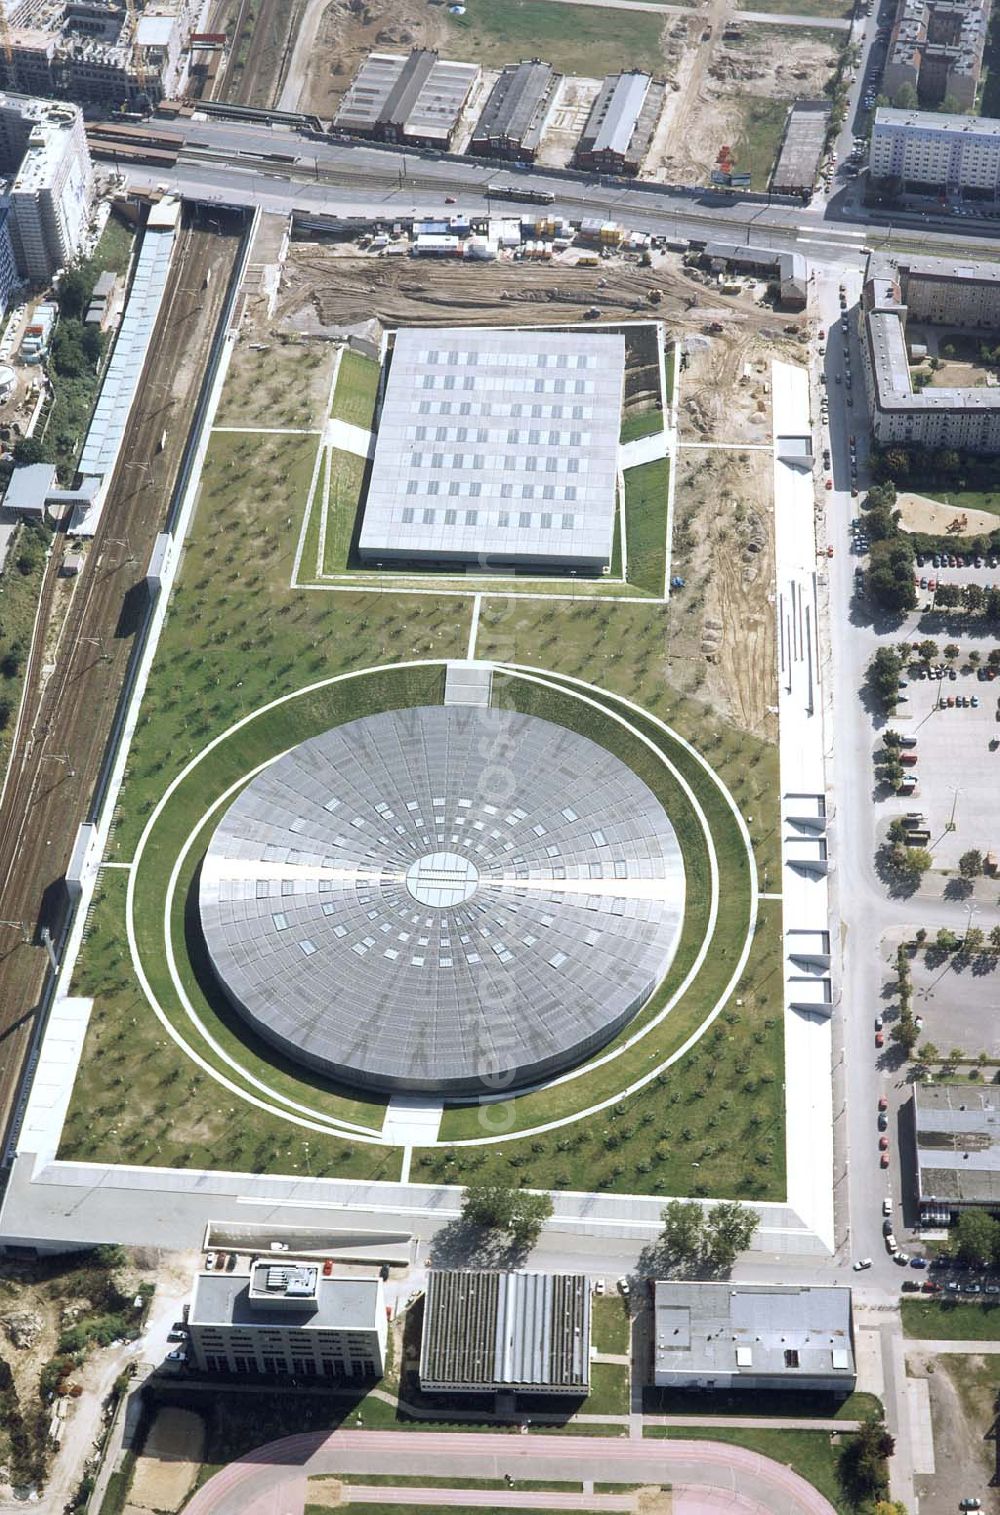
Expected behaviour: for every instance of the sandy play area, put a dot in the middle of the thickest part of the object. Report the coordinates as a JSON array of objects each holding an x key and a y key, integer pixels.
[{"x": 918, "y": 513}]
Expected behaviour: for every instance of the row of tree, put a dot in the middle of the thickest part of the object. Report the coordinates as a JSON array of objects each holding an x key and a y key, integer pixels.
[{"x": 693, "y": 1235}]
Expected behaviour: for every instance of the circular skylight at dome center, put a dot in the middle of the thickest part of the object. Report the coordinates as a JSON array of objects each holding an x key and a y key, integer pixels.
[
  {"x": 445, "y": 900},
  {"x": 442, "y": 878}
]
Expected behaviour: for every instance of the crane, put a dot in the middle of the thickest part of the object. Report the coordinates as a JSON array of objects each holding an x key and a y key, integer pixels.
[{"x": 138, "y": 64}]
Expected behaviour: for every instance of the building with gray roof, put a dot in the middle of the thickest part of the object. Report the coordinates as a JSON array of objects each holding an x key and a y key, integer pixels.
[
  {"x": 293, "y": 1319},
  {"x": 958, "y": 1147},
  {"x": 801, "y": 148},
  {"x": 511, "y": 122},
  {"x": 935, "y": 291},
  {"x": 497, "y": 448},
  {"x": 441, "y": 899},
  {"x": 416, "y": 97},
  {"x": 753, "y": 1336},
  {"x": 621, "y": 124},
  {"x": 487, "y": 1332},
  {"x": 936, "y": 48}
]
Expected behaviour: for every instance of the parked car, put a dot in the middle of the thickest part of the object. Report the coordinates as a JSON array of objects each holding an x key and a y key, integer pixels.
[
  {"x": 861, "y": 1264},
  {"x": 887, "y": 1205},
  {"x": 902, "y": 1258},
  {"x": 918, "y": 1262},
  {"x": 883, "y": 1104},
  {"x": 879, "y": 1040},
  {"x": 970, "y": 1504},
  {"x": 891, "y": 1244},
  {"x": 883, "y": 1144}
]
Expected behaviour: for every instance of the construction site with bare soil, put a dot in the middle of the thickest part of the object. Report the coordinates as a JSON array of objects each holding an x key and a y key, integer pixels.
[{"x": 730, "y": 83}]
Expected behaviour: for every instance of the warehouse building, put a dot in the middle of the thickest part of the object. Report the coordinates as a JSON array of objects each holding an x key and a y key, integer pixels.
[
  {"x": 927, "y": 152},
  {"x": 753, "y": 1336},
  {"x": 497, "y": 447},
  {"x": 290, "y": 1319},
  {"x": 487, "y": 1333},
  {"x": 43, "y": 147},
  {"x": 936, "y": 291},
  {"x": 789, "y": 270},
  {"x": 416, "y": 98},
  {"x": 514, "y": 115},
  {"x": 958, "y": 1150},
  {"x": 621, "y": 123},
  {"x": 801, "y": 148}
]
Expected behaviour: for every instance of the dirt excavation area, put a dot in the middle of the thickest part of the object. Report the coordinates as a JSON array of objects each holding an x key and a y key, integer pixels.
[
  {"x": 735, "y": 91},
  {"x": 336, "y": 291},
  {"x": 350, "y": 29},
  {"x": 963, "y": 1392},
  {"x": 166, "y": 1468}
]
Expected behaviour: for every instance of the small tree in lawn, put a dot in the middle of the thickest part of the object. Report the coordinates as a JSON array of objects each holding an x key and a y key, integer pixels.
[
  {"x": 929, "y": 1054},
  {"x": 946, "y": 941}
]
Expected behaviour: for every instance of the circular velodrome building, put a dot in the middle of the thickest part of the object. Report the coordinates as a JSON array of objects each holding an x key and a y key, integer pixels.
[{"x": 442, "y": 900}]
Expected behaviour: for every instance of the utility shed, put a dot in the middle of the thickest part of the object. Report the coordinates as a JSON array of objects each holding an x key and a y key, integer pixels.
[
  {"x": 753, "y": 1336},
  {"x": 621, "y": 124},
  {"x": 486, "y": 1332},
  {"x": 512, "y": 119},
  {"x": 416, "y": 97}
]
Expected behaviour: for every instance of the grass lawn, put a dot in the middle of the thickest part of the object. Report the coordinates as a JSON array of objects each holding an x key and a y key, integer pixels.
[
  {"x": 809, "y": 1453},
  {"x": 18, "y": 602},
  {"x": 609, "y": 1390},
  {"x": 943, "y": 1320},
  {"x": 356, "y": 391},
  {"x": 342, "y": 478},
  {"x": 575, "y": 39},
  {"x": 977, "y": 1382},
  {"x": 758, "y": 137},
  {"x": 641, "y": 423},
  {"x": 646, "y": 524},
  {"x": 822, "y": 10},
  {"x": 609, "y": 1323},
  {"x": 285, "y": 382},
  {"x": 964, "y": 499}
]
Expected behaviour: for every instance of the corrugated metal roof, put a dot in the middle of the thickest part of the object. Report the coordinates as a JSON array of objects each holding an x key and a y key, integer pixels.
[{"x": 485, "y": 1331}]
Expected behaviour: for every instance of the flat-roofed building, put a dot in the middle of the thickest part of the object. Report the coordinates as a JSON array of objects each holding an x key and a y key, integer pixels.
[
  {"x": 938, "y": 291},
  {"x": 621, "y": 124},
  {"x": 926, "y": 150},
  {"x": 416, "y": 97},
  {"x": 42, "y": 143},
  {"x": 497, "y": 448},
  {"x": 487, "y": 1332},
  {"x": 801, "y": 147},
  {"x": 936, "y": 48},
  {"x": 290, "y": 1319},
  {"x": 753, "y": 1336},
  {"x": 511, "y": 122},
  {"x": 958, "y": 1149}
]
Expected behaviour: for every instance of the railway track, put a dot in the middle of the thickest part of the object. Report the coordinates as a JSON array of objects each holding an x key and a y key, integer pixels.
[{"x": 69, "y": 708}]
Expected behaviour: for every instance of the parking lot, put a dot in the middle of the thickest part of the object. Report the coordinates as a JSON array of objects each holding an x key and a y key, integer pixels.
[
  {"x": 957, "y": 1003},
  {"x": 958, "y": 762}
]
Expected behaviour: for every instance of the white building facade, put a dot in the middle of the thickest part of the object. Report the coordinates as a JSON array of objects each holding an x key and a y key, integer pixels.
[
  {"x": 924, "y": 149},
  {"x": 289, "y": 1320},
  {"x": 42, "y": 143}
]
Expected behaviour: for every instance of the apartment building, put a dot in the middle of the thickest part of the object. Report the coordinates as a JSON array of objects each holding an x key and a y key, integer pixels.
[
  {"x": 928, "y": 151},
  {"x": 43, "y": 147},
  {"x": 98, "y": 53},
  {"x": 290, "y": 1319},
  {"x": 937, "y": 291},
  {"x": 936, "y": 48}
]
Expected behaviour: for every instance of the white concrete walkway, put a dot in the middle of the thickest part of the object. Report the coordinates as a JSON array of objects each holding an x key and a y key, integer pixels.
[
  {"x": 806, "y": 904},
  {"x": 644, "y": 450},
  {"x": 348, "y": 438}
]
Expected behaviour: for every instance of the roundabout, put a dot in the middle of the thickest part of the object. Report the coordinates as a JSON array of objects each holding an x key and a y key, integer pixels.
[{"x": 661, "y": 1013}]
